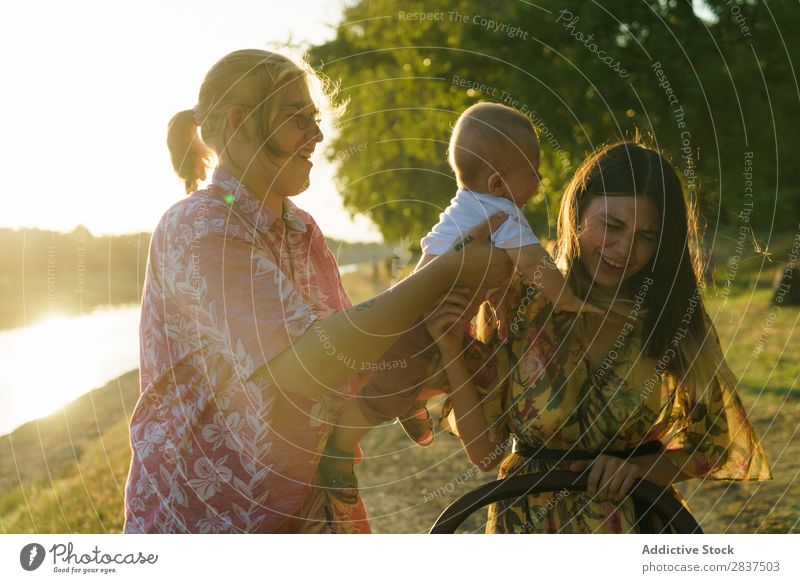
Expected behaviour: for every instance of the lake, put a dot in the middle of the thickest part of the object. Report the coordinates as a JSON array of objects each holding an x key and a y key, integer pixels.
[{"x": 45, "y": 366}]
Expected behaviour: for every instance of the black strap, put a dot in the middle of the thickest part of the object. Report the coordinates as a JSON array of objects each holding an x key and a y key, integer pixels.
[{"x": 645, "y": 518}]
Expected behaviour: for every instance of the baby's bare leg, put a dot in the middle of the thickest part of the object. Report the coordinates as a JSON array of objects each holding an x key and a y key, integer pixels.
[
  {"x": 352, "y": 424},
  {"x": 351, "y": 427}
]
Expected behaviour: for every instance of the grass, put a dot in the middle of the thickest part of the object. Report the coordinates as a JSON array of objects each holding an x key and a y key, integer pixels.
[
  {"x": 66, "y": 473},
  {"x": 82, "y": 497}
]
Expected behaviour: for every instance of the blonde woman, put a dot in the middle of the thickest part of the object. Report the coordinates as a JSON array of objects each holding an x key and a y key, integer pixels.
[{"x": 247, "y": 337}]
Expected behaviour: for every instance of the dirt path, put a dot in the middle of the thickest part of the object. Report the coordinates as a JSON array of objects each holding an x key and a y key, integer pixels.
[{"x": 405, "y": 487}]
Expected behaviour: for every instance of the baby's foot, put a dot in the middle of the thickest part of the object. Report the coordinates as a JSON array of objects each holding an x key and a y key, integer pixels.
[{"x": 417, "y": 424}]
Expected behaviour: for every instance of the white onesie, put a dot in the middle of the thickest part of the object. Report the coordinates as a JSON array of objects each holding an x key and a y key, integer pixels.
[{"x": 469, "y": 208}]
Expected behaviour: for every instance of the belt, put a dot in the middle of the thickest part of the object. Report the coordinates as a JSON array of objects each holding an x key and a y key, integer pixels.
[{"x": 642, "y": 511}]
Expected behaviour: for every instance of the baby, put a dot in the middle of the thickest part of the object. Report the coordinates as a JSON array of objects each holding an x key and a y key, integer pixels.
[{"x": 494, "y": 153}]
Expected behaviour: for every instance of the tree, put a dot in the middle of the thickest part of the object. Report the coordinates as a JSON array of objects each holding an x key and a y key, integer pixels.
[{"x": 586, "y": 75}]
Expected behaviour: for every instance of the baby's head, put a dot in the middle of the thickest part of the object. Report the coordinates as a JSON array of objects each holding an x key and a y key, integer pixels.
[{"x": 494, "y": 149}]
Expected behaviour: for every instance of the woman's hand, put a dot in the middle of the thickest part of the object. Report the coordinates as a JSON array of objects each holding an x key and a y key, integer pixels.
[
  {"x": 610, "y": 478},
  {"x": 448, "y": 322},
  {"x": 475, "y": 262}
]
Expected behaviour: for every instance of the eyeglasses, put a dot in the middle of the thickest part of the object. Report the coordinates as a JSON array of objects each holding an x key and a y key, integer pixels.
[{"x": 304, "y": 120}]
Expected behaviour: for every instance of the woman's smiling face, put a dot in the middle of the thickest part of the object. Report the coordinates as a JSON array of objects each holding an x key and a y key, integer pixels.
[
  {"x": 295, "y": 138},
  {"x": 277, "y": 163},
  {"x": 618, "y": 237}
]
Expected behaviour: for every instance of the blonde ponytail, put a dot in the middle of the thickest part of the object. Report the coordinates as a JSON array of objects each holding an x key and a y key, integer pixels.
[{"x": 190, "y": 156}]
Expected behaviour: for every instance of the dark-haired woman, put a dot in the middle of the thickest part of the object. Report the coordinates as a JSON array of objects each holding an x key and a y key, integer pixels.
[{"x": 643, "y": 392}]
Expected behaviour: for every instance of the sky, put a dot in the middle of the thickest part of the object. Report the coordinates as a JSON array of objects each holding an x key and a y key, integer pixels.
[{"x": 89, "y": 86}]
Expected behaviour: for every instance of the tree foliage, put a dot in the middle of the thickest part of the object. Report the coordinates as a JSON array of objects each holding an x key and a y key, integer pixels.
[{"x": 711, "y": 93}]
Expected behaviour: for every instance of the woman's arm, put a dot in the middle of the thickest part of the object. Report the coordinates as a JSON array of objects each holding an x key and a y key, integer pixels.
[
  {"x": 447, "y": 327},
  {"x": 362, "y": 333},
  {"x": 472, "y": 428}
]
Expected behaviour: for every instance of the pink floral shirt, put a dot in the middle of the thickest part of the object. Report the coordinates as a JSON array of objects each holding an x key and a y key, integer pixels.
[{"x": 215, "y": 448}]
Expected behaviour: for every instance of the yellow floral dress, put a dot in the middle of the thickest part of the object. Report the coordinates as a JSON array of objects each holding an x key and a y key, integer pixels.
[{"x": 544, "y": 394}]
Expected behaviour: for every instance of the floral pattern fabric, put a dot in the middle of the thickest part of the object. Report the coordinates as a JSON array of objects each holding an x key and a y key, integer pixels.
[
  {"x": 216, "y": 448},
  {"x": 540, "y": 391}
]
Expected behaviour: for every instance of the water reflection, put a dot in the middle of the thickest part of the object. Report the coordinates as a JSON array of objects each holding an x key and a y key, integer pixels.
[{"x": 45, "y": 366}]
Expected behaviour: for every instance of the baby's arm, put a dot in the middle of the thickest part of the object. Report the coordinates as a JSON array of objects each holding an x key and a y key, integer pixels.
[{"x": 537, "y": 266}]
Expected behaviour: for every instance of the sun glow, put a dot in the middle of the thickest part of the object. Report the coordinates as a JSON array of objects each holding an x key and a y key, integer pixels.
[{"x": 92, "y": 103}]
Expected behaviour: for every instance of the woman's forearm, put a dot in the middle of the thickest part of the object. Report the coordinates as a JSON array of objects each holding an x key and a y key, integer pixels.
[
  {"x": 470, "y": 422},
  {"x": 330, "y": 351}
]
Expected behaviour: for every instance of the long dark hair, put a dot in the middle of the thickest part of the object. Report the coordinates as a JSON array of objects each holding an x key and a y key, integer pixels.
[{"x": 673, "y": 316}]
